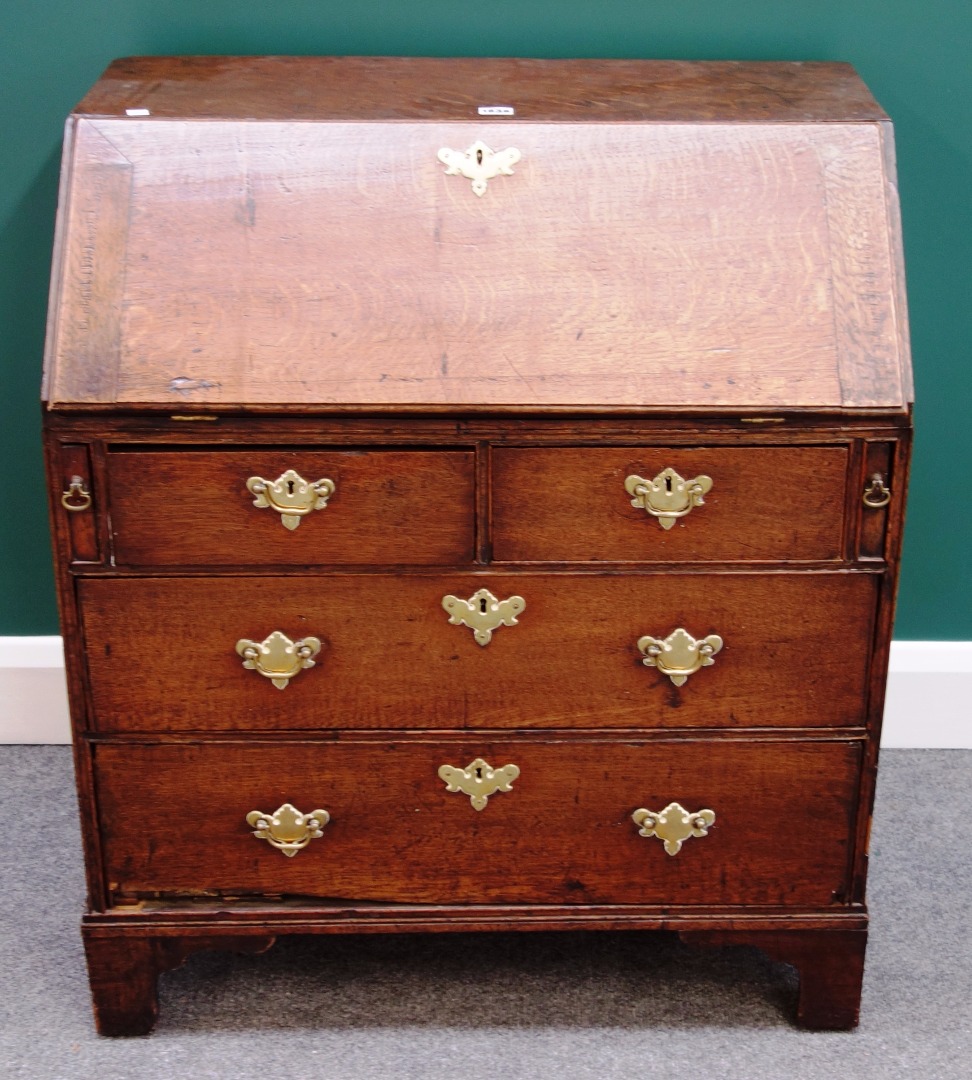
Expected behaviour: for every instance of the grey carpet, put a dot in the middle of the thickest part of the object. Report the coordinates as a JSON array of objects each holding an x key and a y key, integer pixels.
[{"x": 590, "y": 1007}]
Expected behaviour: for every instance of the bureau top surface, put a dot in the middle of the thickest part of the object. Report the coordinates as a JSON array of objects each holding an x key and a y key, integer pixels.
[
  {"x": 238, "y": 232},
  {"x": 427, "y": 88}
]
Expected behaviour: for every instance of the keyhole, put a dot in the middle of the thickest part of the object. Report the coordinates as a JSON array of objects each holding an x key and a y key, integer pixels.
[
  {"x": 668, "y": 483},
  {"x": 479, "y": 157},
  {"x": 290, "y": 487},
  {"x": 482, "y": 604},
  {"x": 479, "y": 772}
]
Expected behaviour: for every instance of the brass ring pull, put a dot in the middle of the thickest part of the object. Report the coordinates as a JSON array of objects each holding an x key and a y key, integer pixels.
[
  {"x": 287, "y": 829},
  {"x": 876, "y": 494},
  {"x": 479, "y": 164},
  {"x": 669, "y": 496},
  {"x": 76, "y": 491},
  {"x": 679, "y": 655},
  {"x": 674, "y": 825},
  {"x": 290, "y": 495},
  {"x": 478, "y": 780},
  {"x": 277, "y": 657}
]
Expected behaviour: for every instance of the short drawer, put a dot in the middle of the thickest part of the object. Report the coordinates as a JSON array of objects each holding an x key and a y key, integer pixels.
[
  {"x": 163, "y": 653},
  {"x": 173, "y": 821},
  {"x": 195, "y": 508},
  {"x": 764, "y": 504}
]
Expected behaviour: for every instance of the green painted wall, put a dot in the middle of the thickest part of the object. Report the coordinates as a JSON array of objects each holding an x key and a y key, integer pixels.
[{"x": 914, "y": 56}]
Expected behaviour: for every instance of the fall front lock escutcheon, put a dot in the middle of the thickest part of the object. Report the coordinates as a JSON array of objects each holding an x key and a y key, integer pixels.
[{"x": 479, "y": 164}]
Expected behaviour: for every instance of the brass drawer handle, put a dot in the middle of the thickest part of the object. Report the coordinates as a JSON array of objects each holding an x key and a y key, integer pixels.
[
  {"x": 287, "y": 829},
  {"x": 876, "y": 494},
  {"x": 290, "y": 495},
  {"x": 277, "y": 657},
  {"x": 674, "y": 824},
  {"x": 478, "y": 780},
  {"x": 679, "y": 655},
  {"x": 668, "y": 497},
  {"x": 479, "y": 164},
  {"x": 77, "y": 497},
  {"x": 483, "y": 613}
]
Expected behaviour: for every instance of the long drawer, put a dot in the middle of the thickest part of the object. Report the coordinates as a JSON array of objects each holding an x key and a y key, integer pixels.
[
  {"x": 705, "y": 504},
  {"x": 195, "y": 507},
  {"x": 166, "y": 653},
  {"x": 174, "y": 820}
]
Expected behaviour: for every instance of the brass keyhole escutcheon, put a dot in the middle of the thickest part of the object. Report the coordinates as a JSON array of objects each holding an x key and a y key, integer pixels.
[
  {"x": 483, "y": 613},
  {"x": 290, "y": 495},
  {"x": 478, "y": 780},
  {"x": 668, "y": 497},
  {"x": 479, "y": 164}
]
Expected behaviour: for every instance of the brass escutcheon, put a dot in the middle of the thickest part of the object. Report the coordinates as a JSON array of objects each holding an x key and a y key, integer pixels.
[
  {"x": 674, "y": 825},
  {"x": 290, "y": 495},
  {"x": 667, "y": 497},
  {"x": 478, "y": 780},
  {"x": 479, "y": 164},
  {"x": 287, "y": 829},
  {"x": 679, "y": 655},
  {"x": 483, "y": 613},
  {"x": 876, "y": 494},
  {"x": 77, "y": 497},
  {"x": 277, "y": 657}
]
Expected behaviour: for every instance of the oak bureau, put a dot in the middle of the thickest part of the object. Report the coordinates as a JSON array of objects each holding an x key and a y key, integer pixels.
[{"x": 477, "y": 490}]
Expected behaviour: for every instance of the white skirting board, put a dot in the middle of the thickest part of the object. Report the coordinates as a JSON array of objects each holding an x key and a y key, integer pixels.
[{"x": 928, "y": 703}]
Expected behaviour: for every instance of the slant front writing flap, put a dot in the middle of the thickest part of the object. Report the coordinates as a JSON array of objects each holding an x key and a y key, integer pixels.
[{"x": 621, "y": 265}]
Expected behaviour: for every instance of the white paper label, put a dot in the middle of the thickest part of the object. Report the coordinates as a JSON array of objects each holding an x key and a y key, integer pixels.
[
  {"x": 496, "y": 110},
  {"x": 137, "y": 112}
]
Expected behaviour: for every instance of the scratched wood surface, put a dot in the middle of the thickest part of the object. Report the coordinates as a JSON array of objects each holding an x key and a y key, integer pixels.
[
  {"x": 161, "y": 652},
  {"x": 623, "y": 264},
  {"x": 174, "y": 820}
]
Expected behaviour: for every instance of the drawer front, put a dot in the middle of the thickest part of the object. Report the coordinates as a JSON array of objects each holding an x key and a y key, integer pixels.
[
  {"x": 194, "y": 508},
  {"x": 174, "y": 820},
  {"x": 162, "y": 653},
  {"x": 764, "y": 504}
]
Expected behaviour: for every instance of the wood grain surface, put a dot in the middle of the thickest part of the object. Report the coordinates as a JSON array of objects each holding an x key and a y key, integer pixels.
[
  {"x": 161, "y": 652},
  {"x": 766, "y": 504},
  {"x": 427, "y": 88},
  {"x": 192, "y": 508},
  {"x": 174, "y": 821},
  {"x": 621, "y": 265}
]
